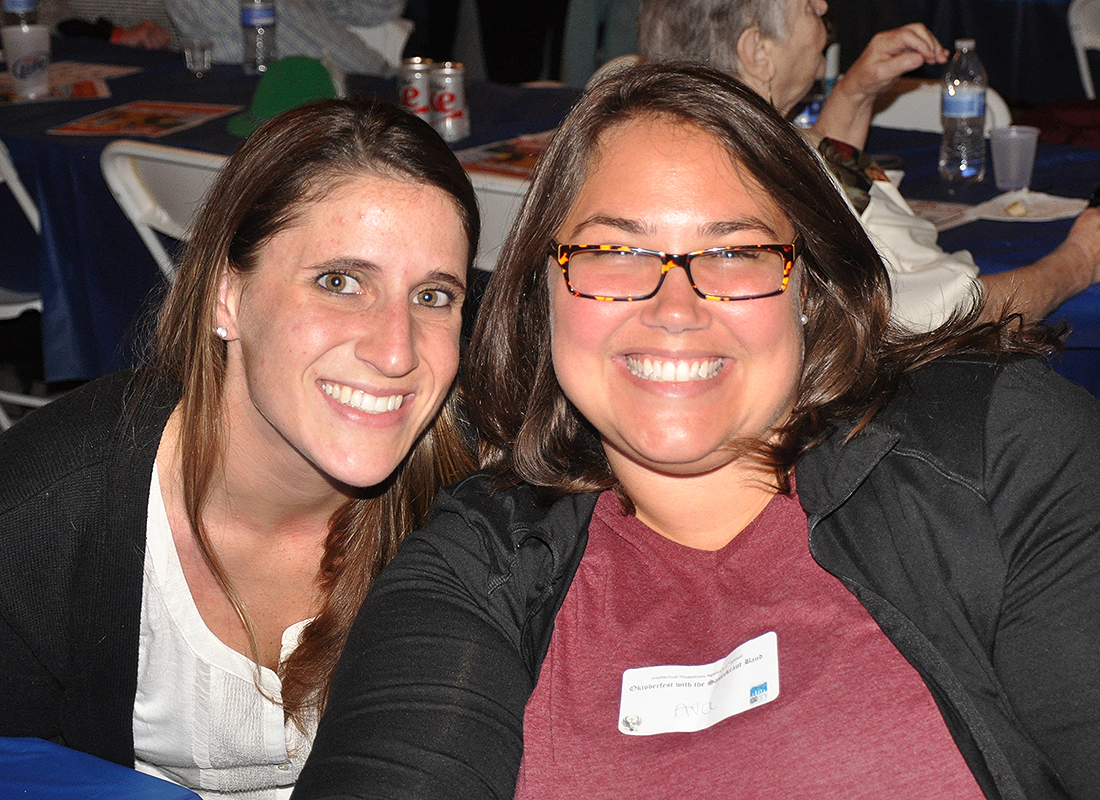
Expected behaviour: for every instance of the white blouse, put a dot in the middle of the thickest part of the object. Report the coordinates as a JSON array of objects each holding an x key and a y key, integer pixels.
[{"x": 199, "y": 718}]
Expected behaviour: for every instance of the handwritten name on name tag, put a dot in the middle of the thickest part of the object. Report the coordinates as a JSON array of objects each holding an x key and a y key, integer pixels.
[{"x": 691, "y": 698}]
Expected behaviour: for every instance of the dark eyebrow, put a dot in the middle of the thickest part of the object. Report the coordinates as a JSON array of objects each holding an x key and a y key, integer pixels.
[
  {"x": 639, "y": 228},
  {"x": 623, "y": 224},
  {"x": 438, "y": 276},
  {"x": 737, "y": 226},
  {"x": 343, "y": 264}
]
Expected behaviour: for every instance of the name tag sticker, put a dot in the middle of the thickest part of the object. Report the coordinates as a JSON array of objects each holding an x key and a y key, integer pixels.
[{"x": 682, "y": 699}]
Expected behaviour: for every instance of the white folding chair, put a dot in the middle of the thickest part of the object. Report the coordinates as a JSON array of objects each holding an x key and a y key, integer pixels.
[
  {"x": 498, "y": 200},
  {"x": 614, "y": 65},
  {"x": 18, "y": 399},
  {"x": 160, "y": 189},
  {"x": 1084, "y": 31},
  {"x": 13, "y": 304},
  {"x": 913, "y": 104},
  {"x": 9, "y": 176}
]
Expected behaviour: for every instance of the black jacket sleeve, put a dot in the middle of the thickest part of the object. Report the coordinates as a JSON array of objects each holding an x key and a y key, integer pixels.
[
  {"x": 1042, "y": 477},
  {"x": 428, "y": 698},
  {"x": 74, "y": 489}
]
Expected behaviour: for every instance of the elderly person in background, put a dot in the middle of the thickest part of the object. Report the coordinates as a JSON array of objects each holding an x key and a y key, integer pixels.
[{"x": 776, "y": 48}]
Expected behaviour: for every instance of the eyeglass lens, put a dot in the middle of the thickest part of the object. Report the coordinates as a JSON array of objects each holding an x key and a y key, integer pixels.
[{"x": 607, "y": 273}]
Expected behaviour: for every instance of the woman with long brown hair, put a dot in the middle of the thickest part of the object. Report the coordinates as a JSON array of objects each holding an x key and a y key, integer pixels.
[
  {"x": 186, "y": 546},
  {"x": 738, "y": 535}
]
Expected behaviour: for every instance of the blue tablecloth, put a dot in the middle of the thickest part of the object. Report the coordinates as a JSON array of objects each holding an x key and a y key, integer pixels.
[
  {"x": 98, "y": 282},
  {"x": 997, "y": 246},
  {"x": 39, "y": 770}
]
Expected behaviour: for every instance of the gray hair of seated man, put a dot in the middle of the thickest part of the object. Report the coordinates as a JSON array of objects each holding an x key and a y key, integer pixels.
[{"x": 707, "y": 30}]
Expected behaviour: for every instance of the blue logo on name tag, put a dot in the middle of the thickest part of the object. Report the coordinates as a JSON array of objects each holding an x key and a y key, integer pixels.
[{"x": 758, "y": 692}]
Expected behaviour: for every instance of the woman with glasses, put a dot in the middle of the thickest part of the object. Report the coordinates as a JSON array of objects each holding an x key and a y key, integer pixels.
[{"x": 736, "y": 534}]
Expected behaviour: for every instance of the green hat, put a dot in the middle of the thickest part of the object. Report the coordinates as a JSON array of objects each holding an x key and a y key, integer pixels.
[{"x": 287, "y": 83}]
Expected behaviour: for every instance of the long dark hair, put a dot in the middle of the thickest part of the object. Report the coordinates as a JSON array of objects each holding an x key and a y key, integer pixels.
[
  {"x": 292, "y": 161},
  {"x": 854, "y": 356}
]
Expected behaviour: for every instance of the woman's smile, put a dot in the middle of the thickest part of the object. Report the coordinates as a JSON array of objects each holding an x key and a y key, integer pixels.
[
  {"x": 669, "y": 370},
  {"x": 360, "y": 400}
]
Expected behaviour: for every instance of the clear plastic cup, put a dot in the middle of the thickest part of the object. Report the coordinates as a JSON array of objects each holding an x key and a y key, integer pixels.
[
  {"x": 1013, "y": 156},
  {"x": 27, "y": 53}
]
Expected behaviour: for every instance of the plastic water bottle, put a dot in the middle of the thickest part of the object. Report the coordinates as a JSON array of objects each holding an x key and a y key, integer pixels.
[
  {"x": 962, "y": 153},
  {"x": 258, "y": 35},
  {"x": 832, "y": 67},
  {"x": 20, "y": 12}
]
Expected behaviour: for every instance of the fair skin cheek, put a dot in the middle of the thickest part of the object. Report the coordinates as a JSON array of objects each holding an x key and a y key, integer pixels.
[
  {"x": 363, "y": 292},
  {"x": 337, "y": 304},
  {"x": 667, "y": 440}
]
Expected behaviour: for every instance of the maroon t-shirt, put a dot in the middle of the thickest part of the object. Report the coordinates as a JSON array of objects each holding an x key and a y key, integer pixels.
[{"x": 852, "y": 720}]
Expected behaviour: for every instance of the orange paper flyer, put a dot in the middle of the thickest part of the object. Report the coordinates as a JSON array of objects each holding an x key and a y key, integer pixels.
[
  {"x": 516, "y": 157},
  {"x": 144, "y": 118}
]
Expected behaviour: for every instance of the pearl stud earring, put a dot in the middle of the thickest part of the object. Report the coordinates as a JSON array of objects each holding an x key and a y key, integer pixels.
[{"x": 221, "y": 332}]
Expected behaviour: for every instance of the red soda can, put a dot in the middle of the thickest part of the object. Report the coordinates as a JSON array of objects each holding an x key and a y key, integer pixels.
[
  {"x": 450, "y": 117},
  {"x": 414, "y": 87}
]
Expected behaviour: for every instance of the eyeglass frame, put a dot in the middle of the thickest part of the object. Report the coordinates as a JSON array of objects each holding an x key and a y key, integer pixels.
[{"x": 790, "y": 253}]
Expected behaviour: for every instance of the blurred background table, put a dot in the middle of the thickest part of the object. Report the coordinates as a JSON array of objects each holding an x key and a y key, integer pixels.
[
  {"x": 96, "y": 278},
  {"x": 997, "y": 246}
]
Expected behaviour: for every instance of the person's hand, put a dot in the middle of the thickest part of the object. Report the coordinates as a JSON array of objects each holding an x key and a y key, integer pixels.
[
  {"x": 146, "y": 34},
  {"x": 891, "y": 54},
  {"x": 1039, "y": 288},
  {"x": 1084, "y": 239},
  {"x": 847, "y": 112}
]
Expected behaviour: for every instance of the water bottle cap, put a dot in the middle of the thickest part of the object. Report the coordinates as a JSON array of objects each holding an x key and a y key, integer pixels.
[{"x": 964, "y": 44}]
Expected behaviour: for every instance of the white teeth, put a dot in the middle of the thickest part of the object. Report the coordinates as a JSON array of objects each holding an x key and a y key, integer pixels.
[
  {"x": 357, "y": 398},
  {"x": 652, "y": 369}
]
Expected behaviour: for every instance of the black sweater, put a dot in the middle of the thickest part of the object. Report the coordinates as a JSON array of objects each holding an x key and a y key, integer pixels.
[{"x": 74, "y": 493}]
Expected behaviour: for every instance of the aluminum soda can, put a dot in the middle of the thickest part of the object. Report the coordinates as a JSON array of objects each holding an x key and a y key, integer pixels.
[
  {"x": 414, "y": 87},
  {"x": 450, "y": 117}
]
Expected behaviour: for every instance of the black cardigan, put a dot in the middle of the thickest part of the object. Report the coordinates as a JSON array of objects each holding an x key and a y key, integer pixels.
[
  {"x": 965, "y": 518},
  {"x": 74, "y": 493}
]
